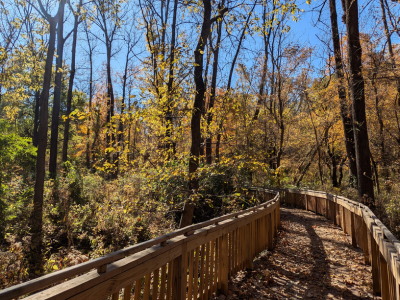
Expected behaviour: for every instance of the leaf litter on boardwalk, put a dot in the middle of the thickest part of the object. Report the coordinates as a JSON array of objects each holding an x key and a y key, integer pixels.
[{"x": 313, "y": 259}]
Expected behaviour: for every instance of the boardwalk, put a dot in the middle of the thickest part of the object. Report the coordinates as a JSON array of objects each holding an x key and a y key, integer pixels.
[{"x": 313, "y": 259}]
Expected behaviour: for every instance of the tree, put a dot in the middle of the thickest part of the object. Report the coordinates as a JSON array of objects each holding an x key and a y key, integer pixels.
[
  {"x": 345, "y": 113},
  {"x": 37, "y": 214},
  {"x": 198, "y": 105},
  {"x": 77, "y": 14},
  {"x": 357, "y": 87}
]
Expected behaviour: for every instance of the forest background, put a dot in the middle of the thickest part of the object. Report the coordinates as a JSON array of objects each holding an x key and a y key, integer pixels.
[{"x": 122, "y": 120}]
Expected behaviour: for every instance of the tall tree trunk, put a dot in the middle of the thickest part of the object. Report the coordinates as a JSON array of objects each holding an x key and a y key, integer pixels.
[
  {"x": 345, "y": 113},
  {"x": 71, "y": 84},
  {"x": 187, "y": 214},
  {"x": 35, "y": 137},
  {"x": 110, "y": 104},
  {"x": 212, "y": 94},
  {"x": 55, "y": 119},
  {"x": 170, "y": 96},
  {"x": 363, "y": 155},
  {"x": 37, "y": 214},
  {"x": 88, "y": 151},
  {"x": 266, "y": 37}
]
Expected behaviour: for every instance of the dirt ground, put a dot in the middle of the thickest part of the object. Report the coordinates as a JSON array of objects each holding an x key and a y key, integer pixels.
[{"x": 313, "y": 259}]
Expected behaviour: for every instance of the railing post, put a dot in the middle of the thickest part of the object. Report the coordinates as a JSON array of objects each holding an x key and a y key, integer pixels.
[
  {"x": 179, "y": 280},
  {"x": 365, "y": 241},
  {"x": 306, "y": 201},
  {"x": 278, "y": 215},
  {"x": 344, "y": 227},
  {"x": 327, "y": 210},
  {"x": 270, "y": 233},
  {"x": 248, "y": 255},
  {"x": 353, "y": 229},
  {"x": 384, "y": 279},
  {"x": 334, "y": 213},
  {"x": 376, "y": 289}
]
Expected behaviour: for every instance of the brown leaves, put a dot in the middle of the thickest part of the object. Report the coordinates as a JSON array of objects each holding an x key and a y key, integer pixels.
[{"x": 312, "y": 259}]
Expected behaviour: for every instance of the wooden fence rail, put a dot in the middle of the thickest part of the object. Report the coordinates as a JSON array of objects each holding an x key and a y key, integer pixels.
[
  {"x": 197, "y": 261},
  {"x": 194, "y": 262},
  {"x": 381, "y": 249}
]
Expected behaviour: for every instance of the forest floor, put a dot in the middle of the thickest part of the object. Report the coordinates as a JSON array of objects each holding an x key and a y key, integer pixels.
[{"x": 313, "y": 259}]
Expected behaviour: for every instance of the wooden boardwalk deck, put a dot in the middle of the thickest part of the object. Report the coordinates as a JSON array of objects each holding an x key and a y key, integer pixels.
[{"x": 313, "y": 259}]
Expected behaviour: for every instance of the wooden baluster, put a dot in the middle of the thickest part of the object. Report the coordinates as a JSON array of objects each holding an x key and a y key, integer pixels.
[
  {"x": 248, "y": 247},
  {"x": 196, "y": 274},
  {"x": 127, "y": 292},
  {"x": 201, "y": 286},
  {"x": 156, "y": 274},
  {"x": 190, "y": 287},
  {"x": 334, "y": 213},
  {"x": 212, "y": 272},
  {"x": 207, "y": 271},
  {"x": 344, "y": 227},
  {"x": 163, "y": 280},
  {"x": 327, "y": 208},
  {"x": 220, "y": 266},
  {"x": 115, "y": 296},
  {"x": 229, "y": 253},
  {"x": 224, "y": 264},
  {"x": 273, "y": 224},
  {"x": 146, "y": 294},
  {"x": 179, "y": 280},
  {"x": 384, "y": 279},
  {"x": 376, "y": 290},
  {"x": 392, "y": 284},
  {"x": 138, "y": 288},
  {"x": 306, "y": 202},
  {"x": 170, "y": 278},
  {"x": 364, "y": 233},
  {"x": 232, "y": 257},
  {"x": 270, "y": 233},
  {"x": 216, "y": 266},
  {"x": 353, "y": 229}
]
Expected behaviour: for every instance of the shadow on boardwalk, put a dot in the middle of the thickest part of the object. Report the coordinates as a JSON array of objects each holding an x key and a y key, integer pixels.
[{"x": 313, "y": 259}]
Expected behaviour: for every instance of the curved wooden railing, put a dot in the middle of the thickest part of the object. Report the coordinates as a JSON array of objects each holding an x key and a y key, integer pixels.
[
  {"x": 381, "y": 249},
  {"x": 194, "y": 262},
  {"x": 197, "y": 261}
]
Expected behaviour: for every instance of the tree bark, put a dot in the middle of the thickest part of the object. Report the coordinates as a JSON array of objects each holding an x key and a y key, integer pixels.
[
  {"x": 55, "y": 119},
  {"x": 37, "y": 214},
  {"x": 168, "y": 115},
  {"x": 345, "y": 113},
  {"x": 212, "y": 94},
  {"x": 71, "y": 84},
  {"x": 357, "y": 88},
  {"x": 35, "y": 137},
  {"x": 187, "y": 214}
]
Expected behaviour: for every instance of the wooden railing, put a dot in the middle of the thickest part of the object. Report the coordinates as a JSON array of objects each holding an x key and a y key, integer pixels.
[
  {"x": 381, "y": 249},
  {"x": 194, "y": 262},
  {"x": 197, "y": 261}
]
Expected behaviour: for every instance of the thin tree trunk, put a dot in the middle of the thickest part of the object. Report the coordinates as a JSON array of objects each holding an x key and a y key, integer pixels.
[
  {"x": 212, "y": 94},
  {"x": 169, "y": 117},
  {"x": 187, "y": 214},
  {"x": 345, "y": 113},
  {"x": 35, "y": 137},
  {"x": 88, "y": 150},
  {"x": 71, "y": 84},
  {"x": 55, "y": 119},
  {"x": 357, "y": 88},
  {"x": 37, "y": 214}
]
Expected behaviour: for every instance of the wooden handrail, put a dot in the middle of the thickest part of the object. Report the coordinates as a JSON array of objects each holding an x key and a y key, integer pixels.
[
  {"x": 117, "y": 262},
  {"x": 197, "y": 261}
]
